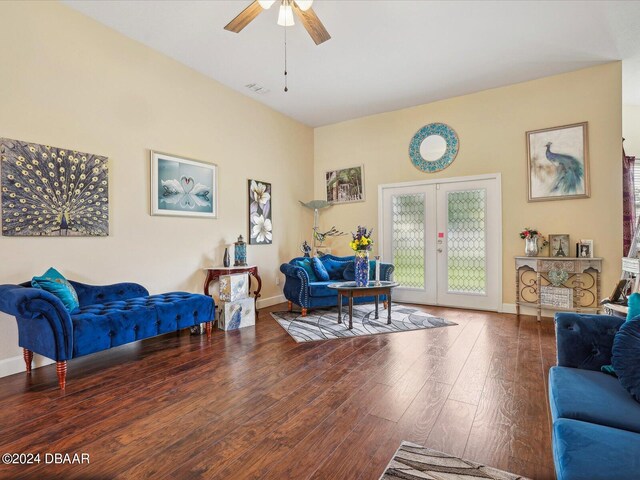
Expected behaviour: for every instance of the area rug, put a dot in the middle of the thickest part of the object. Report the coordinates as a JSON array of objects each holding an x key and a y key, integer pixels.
[
  {"x": 413, "y": 461},
  {"x": 322, "y": 324}
]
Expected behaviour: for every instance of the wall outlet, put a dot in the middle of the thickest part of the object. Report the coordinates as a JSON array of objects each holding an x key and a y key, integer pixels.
[{"x": 277, "y": 279}]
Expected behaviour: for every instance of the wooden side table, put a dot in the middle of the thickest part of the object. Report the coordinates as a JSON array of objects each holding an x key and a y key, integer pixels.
[
  {"x": 213, "y": 274},
  {"x": 580, "y": 277}
]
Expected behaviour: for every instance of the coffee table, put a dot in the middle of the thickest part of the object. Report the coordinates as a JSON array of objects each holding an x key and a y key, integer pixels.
[{"x": 350, "y": 290}]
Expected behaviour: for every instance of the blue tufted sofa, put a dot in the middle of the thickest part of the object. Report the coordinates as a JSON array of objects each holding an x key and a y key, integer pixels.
[
  {"x": 300, "y": 291},
  {"x": 596, "y": 422},
  {"x": 108, "y": 316}
]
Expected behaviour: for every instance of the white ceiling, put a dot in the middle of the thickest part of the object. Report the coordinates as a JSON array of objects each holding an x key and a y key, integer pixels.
[{"x": 384, "y": 55}]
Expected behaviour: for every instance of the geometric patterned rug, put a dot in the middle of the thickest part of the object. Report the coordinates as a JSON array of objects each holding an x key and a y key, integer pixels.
[
  {"x": 412, "y": 461},
  {"x": 322, "y": 323}
]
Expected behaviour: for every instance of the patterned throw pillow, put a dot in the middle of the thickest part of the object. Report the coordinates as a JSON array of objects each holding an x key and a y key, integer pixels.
[{"x": 54, "y": 282}]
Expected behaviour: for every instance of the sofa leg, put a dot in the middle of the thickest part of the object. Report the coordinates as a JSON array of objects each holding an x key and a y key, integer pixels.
[
  {"x": 209, "y": 327},
  {"x": 385, "y": 303},
  {"x": 61, "y": 368},
  {"x": 28, "y": 358},
  {"x": 290, "y": 306},
  {"x": 304, "y": 312}
]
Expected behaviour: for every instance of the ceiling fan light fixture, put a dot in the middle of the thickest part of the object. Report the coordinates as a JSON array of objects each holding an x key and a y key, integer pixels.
[
  {"x": 266, "y": 4},
  {"x": 304, "y": 5},
  {"x": 285, "y": 16}
]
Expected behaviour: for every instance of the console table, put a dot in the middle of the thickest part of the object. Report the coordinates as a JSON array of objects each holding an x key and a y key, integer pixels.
[
  {"x": 213, "y": 274},
  {"x": 560, "y": 283}
]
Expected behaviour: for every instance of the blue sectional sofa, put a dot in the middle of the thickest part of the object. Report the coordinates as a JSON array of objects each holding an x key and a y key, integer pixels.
[
  {"x": 596, "y": 421},
  {"x": 307, "y": 293},
  {"x": 108, "y": 316}
]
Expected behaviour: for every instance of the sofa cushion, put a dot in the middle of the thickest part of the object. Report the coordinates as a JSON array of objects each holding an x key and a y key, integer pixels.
[
  {"x": 102, "y": 326},
  {"x": 626, "y": 356},
  {"x": 335, "y": 268},
  {"x": 588, "y": 451},
  {"x": 54, "y": 282},
  {"x": 320, "y": 271},
  {"x": 320, "y": 289},
  {"x": 308, "y": 267},
  {"x": 633, "y": 304},
  {"x": 593, "y": 397}
]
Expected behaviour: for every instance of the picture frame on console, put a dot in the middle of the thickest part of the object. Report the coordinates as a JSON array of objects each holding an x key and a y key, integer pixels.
[
  {"x": 183, "y": 187},
  {"x": 559, "y": 245}
]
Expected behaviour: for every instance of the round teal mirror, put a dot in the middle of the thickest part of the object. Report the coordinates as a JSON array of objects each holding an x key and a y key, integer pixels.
[{"x": 433, "y": 147}]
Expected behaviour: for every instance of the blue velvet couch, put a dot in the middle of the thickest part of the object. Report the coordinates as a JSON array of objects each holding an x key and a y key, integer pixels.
[
  {"x": 596, "y": 422},
  {"x": 299, "y": 290},
  {"x": 108, "y": 316}
]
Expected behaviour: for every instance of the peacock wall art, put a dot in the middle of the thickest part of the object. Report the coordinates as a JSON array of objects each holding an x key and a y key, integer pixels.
[
  {"x": 558, "y": 163},
  {"x": 50, "y": 191}
]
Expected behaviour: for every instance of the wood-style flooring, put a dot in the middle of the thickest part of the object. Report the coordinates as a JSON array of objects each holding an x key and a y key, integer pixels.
[{"x": 253, "y": 403}]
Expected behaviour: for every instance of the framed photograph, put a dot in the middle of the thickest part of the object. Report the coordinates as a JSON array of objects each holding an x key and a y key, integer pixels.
[
  {"x": 183, "y": 187},
  {"x": 559, "y": 245},
  {"x": 260, "y": 226},
  {"x": 345, "y": 185},
  {"x": 586, "y": 249},
  {"x": 51, "y": 191},
  {"x": 558, "y": 163}
]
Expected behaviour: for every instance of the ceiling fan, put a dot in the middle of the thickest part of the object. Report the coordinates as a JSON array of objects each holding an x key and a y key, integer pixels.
[{"x": 302, "y": 9}]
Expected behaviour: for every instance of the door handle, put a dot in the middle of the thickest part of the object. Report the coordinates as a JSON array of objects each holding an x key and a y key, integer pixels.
[{"x": 439, "y": 250}]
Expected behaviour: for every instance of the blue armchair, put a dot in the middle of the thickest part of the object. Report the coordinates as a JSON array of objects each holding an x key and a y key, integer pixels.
[
  {"x": 108, "y": 316},
  {"x": 596, "y": 422},
  {"x": 299, "y": 290}
]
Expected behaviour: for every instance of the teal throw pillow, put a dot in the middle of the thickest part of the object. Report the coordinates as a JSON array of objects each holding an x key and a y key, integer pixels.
[
  {"x": 54, "y": 282},
  {"x": 320, "y": 271},
  {"x": 634, "y": 306},
  {"x": 306, "y": 265}
]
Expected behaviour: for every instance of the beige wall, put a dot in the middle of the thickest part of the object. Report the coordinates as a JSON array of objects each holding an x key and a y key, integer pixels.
[
  {"x": 491, "y": 126},
  {"x": 71, "y": 82},
  {"x": 631, "y": 129}
]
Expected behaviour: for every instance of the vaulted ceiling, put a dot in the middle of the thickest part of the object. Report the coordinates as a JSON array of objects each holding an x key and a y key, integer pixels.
[{"x": 384, "y": 55}]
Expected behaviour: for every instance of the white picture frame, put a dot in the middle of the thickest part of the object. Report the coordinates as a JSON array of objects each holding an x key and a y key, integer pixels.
[
  {"x": 183, "y": 187},
  {"x": 585, "y": 249}
]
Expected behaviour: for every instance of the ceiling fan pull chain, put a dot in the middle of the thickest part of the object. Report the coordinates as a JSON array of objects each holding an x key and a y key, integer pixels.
[{"x": 286, "y": 88}]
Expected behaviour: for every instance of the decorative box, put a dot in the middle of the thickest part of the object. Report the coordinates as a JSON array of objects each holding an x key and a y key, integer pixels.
[
  {"x": 558, "y": 297},
  {"x": 238, "y": 314},
  {"x": 234, "y": 287}
]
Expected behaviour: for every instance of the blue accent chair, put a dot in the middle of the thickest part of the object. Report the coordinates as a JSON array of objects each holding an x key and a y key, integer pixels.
[
  {"x": 596, "y": 422},
  {"x": 108, "y": 316},
  {"x": 300, "y": 291}
]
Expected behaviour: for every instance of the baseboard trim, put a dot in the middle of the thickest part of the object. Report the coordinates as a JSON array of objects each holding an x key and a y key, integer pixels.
[
  {"x": 270, "y": 301},
  {"x": 12, "y": 365},
  {"x": 511, "y": 308}
]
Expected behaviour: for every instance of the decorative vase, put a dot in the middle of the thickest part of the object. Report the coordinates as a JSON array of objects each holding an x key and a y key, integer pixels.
[
  {"x": 531, "y": 246},
  {"x": 361, "y": 266},
  {"x": 226, "y": 261}
]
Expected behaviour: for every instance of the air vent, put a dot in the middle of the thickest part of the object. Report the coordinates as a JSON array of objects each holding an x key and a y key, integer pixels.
[{"x": 255, "y": 88}]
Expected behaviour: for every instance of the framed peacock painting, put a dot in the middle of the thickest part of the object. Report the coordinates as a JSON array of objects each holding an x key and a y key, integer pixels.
[
  {"x": 558, "y": 163},
  {"x": 50, "y": 191}
]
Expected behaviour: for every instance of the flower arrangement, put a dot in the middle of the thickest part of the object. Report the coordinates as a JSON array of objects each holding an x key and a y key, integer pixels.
[
  {"x": 361, "y": 239},
  {"x": 531, "y": 233}
]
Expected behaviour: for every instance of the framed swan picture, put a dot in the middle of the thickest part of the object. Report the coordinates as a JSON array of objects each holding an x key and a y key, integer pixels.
[{"x": 182, "y": 186}]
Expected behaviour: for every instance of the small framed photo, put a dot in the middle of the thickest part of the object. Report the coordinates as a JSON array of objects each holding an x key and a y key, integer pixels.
[
  {"x": 183, "y": 187},
  {"x": 559, "y": 245},
  {"x": 586, "y": 249},
  {"x": 345, "y": 185}
]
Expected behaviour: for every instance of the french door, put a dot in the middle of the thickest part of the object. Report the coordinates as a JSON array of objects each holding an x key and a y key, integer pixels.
[{"x": 444, "y": 238}]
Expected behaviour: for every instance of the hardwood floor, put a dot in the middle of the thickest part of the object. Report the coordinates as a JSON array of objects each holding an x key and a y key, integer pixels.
[{"x": 254, "y": 404}]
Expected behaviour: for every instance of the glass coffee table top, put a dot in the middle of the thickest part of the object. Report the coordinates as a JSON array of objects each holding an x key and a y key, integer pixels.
[{"x": 352, "y": 285}]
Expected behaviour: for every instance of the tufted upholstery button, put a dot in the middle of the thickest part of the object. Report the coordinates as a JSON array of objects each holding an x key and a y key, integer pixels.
[
  {"x": 195, "y": 314},
  {"x": 111, "y": 333},
  {"x": 120, "y": 292},
  {"x": 178, "y": 317},
  {"x": 136, "y": 328}
]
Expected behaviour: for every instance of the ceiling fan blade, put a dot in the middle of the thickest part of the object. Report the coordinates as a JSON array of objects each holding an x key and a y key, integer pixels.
[
  {"x": 245, "y": 17},
  {"x": 312, "y": 24}
]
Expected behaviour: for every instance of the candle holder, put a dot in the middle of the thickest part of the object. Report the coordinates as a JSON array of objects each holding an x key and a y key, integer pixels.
[{"x": 377, "y": 277}]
